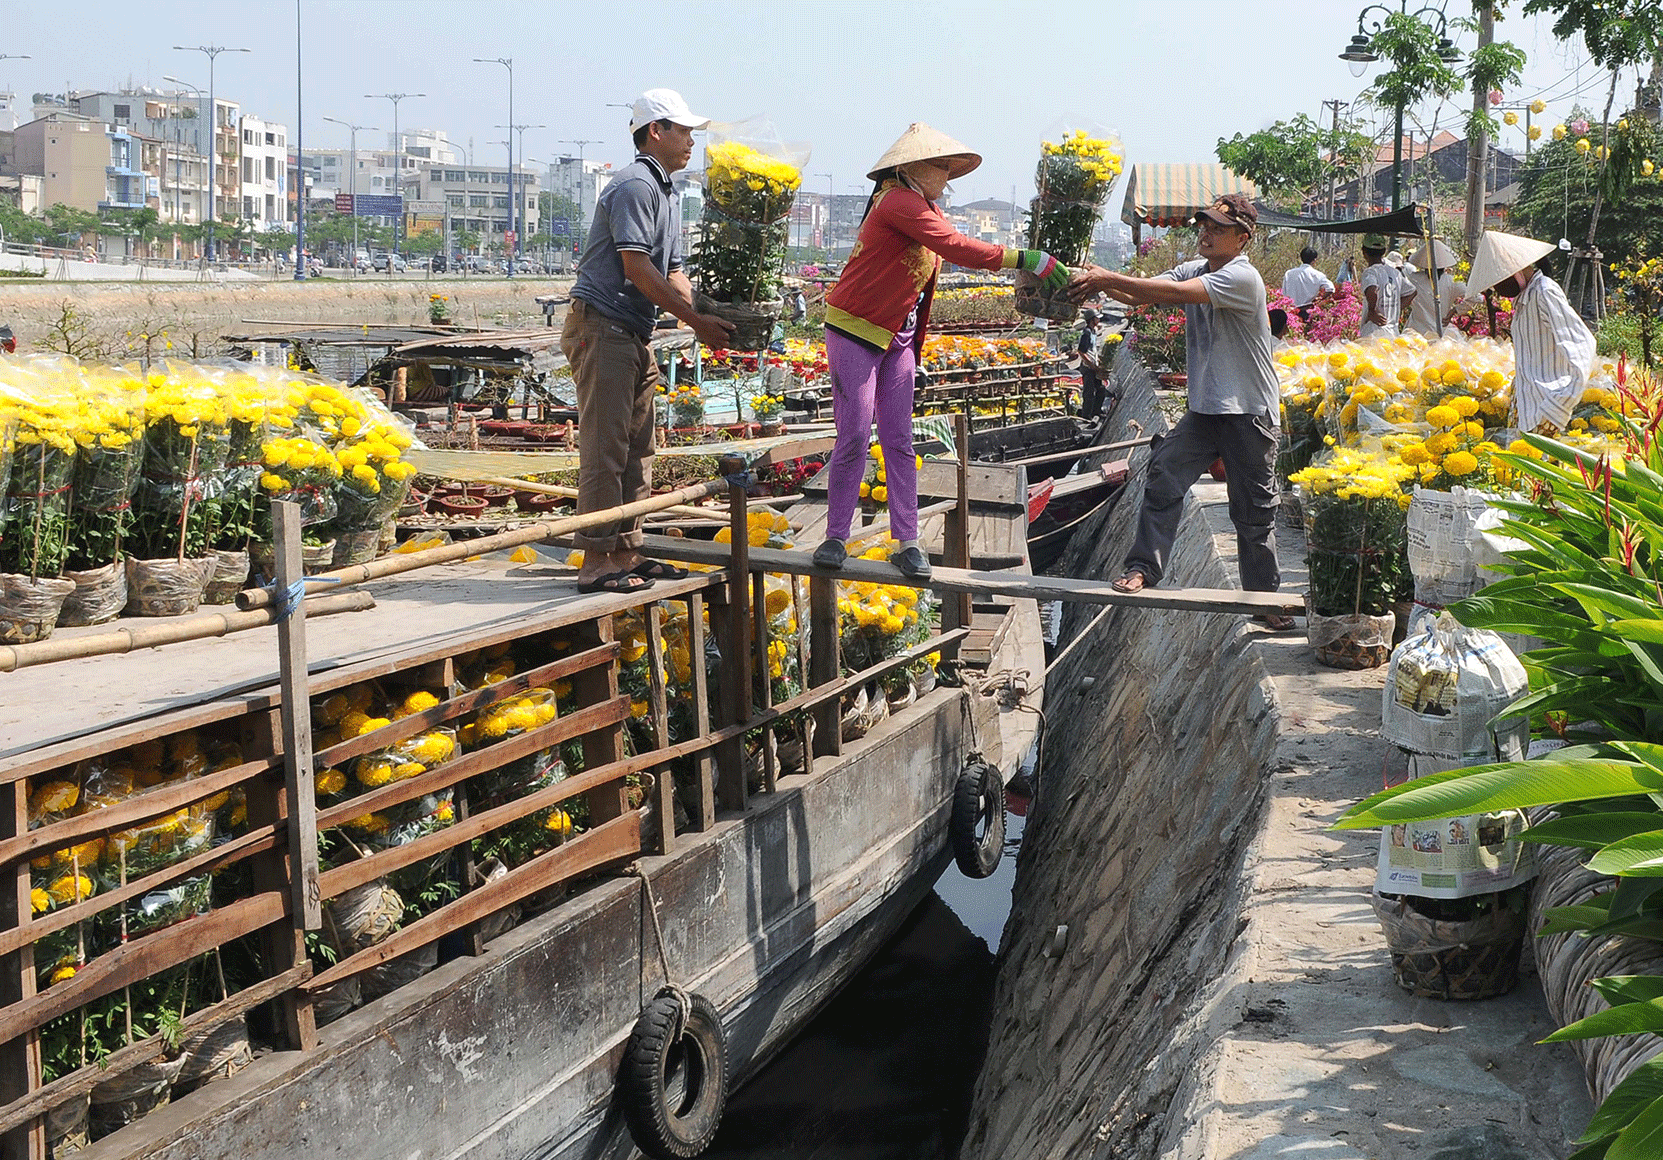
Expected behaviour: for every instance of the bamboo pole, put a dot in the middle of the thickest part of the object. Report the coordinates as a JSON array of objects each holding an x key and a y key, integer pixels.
[
  {"x": 564, "y": 492},
  {"x": 123, "y": 640},
  {"x": 252, "y": 598}
]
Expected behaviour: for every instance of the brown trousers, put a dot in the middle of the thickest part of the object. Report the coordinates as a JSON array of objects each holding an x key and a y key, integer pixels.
[{"x": 616, "y": 377}]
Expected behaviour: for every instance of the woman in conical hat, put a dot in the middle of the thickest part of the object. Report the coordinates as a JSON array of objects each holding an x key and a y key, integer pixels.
[
  {"x": 1553, "y": 349},
  {"x": 875, "y": 322}
]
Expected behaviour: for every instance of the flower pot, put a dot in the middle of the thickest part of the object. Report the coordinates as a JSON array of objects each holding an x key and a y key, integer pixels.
[
  {"x": 315, "y": 558},
  {"x": 541, "y": 504},
  {"x": 29, "y": 608},
  {"x": 495, "y": 496},
  {"x": 355, "y": 547},
  {"x": 1349, "y": 642},
  {"x": 460, "y": 505},
  {"x": 753, "y": 322},
  {"x": 441, "y": 490},
  {"x": 100, "y": 594},
  {"x": 228, "y": 577},
  {"x": 167, "y": 587},
  {"x": 414, "y": 504},
  {"x": 1474, "y": 958},
  {"x": 1033, "y": 298},
  {"x": 1176, "y": 381},
  {"x": 772, "y": 427}
]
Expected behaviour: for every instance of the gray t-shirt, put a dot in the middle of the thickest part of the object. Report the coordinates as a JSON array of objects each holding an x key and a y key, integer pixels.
[
  {"x": 638, "y": 210},
  {"x": 1227, "y": 342}
]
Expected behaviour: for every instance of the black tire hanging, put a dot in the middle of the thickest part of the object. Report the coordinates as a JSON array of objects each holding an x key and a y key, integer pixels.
[
  {"x": 977, "y": 828},
  {"x": 674, "y": 1080}
]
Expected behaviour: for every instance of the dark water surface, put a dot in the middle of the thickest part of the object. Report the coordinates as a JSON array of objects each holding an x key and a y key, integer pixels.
[{"x": 886, "y": 1070}]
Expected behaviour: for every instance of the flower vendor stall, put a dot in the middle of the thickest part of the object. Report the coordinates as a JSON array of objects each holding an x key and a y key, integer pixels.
[
  {"x": 1072, "y": 181},
  {"x": 751, "y": 178}
]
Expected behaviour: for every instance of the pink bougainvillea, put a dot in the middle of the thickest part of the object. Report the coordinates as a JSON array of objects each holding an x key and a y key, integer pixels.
[
  {"x": 1276, "y": 300},
  {"x": 1336, "y": 317}
]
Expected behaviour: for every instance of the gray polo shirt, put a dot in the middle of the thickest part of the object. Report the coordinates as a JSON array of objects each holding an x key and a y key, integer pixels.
[
  {"x": 639, "y": 211},
  {"x": 1227, "y": 342}
]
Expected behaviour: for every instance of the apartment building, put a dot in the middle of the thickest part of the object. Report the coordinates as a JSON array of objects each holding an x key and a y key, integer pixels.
[
  {"x": 74, "y": 157},
  {"x": 476, "y": 199},
  {"x": 265, "y": 173}
]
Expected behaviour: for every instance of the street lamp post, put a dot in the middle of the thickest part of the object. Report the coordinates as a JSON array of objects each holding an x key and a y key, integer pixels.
[
  {"x": 179, "y": 134},
  {"x": 398, "y": 160},
  {"x": 582, "y": 178},
  {"x": 1359, "y": 54},
  {"x": 830, "y": 197},
  {"x": 211, "y": 51},
  {"x": 300, "y": 160},
  {"x": 352, "y": 175},
  {"x": 507, "y": 62},
  {"x": 514, "y": 206}
]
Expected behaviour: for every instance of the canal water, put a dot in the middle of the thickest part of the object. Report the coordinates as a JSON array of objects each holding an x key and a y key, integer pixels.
[{"x": 886, "y": 1070}]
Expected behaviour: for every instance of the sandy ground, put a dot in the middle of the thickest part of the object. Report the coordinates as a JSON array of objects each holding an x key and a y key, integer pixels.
[
  {"x": 1317, "y": 1054},
  {"x": 119, "y": 320}
]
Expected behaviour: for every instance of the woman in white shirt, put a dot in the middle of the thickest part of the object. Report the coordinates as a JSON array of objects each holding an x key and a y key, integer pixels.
[{"x": 1423, "y": 315}]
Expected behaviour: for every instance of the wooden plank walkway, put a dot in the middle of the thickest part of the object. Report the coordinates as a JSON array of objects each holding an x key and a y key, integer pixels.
[{"x": 1016, "y": 584}]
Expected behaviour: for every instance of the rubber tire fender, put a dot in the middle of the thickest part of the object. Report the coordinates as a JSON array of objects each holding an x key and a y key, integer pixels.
[
  {"x": 978, "y": 805},
  {"x": 675, "y": 1125}
]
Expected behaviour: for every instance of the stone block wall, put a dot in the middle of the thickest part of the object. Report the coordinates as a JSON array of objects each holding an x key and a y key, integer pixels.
[{"x": 1161, "y": 727}]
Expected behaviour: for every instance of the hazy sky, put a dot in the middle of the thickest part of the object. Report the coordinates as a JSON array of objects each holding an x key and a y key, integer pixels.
[{"x": 846, "y": 76}]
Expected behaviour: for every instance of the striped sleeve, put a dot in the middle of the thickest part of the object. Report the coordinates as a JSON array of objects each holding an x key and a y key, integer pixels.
[{"x": 1553, "y": 353}]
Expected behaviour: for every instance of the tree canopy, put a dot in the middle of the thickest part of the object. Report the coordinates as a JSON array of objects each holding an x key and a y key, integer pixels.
[
  {"x": 1293, "y": 158},
  {"x": 1557, "y": 192}
]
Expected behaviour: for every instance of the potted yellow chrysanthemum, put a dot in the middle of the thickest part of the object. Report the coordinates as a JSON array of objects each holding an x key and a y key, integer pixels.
[{"x": 1072, "y": 181}]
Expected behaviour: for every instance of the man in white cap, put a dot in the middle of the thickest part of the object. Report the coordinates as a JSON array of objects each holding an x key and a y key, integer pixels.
[
  {"x": 1553, "y": 349},
  {"x": 631, "y": 266}
]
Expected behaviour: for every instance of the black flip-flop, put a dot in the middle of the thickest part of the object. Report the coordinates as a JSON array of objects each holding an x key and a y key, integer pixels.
[
  {"x": 616, "y": 582},
  {"x": 659, "y": 570}
]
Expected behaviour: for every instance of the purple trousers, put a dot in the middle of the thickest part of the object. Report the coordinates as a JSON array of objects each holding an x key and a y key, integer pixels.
[{"x": 863, "y": 382}]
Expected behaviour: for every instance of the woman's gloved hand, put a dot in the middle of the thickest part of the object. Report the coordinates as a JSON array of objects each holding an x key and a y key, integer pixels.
[{"x": 1052, "y": 273}]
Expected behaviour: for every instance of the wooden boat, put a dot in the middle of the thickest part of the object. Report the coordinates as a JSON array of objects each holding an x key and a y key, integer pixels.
[
  {"x": 1068, "y": 503},
  {"x": 709, "y": 863}
]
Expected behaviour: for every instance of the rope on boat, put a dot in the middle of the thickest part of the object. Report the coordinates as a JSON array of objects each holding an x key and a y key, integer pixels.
[{"x": 683, "y": 1003}]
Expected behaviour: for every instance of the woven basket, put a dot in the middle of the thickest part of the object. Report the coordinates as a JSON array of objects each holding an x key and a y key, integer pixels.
[{"x": 1435, "y": 959}]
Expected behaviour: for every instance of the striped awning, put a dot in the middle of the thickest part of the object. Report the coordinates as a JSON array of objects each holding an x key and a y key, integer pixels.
[{"x": 1170, "y": 193}]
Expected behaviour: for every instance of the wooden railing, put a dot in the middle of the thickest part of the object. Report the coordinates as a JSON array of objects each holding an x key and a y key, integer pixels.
[{"x": 283, "y": 903}]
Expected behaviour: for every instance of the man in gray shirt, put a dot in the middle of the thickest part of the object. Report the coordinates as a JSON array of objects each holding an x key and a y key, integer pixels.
[
  {"x": 631, "y": 266},
  {"x": 1234, "y": 400}
]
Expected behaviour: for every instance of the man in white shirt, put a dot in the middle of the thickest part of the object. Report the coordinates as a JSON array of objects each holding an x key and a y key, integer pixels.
[
  {"x": 1553, "y": 349},
  {"x": 1424, "y": 315},
  {"x": 1382, "y": 290},
  {"x": 1302, "y": 283}
]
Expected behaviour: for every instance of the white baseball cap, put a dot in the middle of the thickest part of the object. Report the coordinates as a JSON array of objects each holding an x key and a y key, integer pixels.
[{"x": 663, "y": 105}]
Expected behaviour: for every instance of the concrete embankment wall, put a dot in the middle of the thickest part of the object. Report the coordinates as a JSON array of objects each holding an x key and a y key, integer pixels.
[
  {"x": 1161, "y": 726},
  {"x": 122, "y": 320}
]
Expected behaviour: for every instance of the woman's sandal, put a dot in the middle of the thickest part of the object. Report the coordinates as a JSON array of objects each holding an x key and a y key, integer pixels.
[
  {"x": 659, "y": 570},
  {"x": 1276, "y": 621},
  {"x": 1131, "y": 581},
  {"x": 622, "y": 583}
]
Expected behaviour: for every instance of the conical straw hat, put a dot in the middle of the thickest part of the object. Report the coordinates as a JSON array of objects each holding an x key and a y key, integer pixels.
[
  {"x": 1443, "y": 257},
  {"x": 922, "y": 143},
  {"x": 1500, "y": 255}
]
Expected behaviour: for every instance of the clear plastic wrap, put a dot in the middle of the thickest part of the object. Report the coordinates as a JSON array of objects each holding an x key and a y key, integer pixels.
[
  {"x": 100, "y": 594},
  {"x": 167, "y": 587},
  {"x": 363, "y": 916},
  {"x": 229, "y": 574},
  {"x": 385, "y": 978},
  {"x": 1071, "y": 183},
  {"x": 1359, "y": 641},
  {"x": 751, "y": 179},
  {"x": 29, "y": 608}
]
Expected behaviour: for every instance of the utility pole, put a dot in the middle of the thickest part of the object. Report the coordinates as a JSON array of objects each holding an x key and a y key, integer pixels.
[
  {"x": 1479, "y": 148},
  {"x": 211, "y": 51},
  {"x": 398, "y": 160},
  {"x": 507, "y": 62},
  {"x": 352, "y": 174},
  {"x": 1333, "y": 107},
  {"x": 514, "y": 206},
  {"x": 300, "y": 263},
  {"x": 582, "y": 180}
]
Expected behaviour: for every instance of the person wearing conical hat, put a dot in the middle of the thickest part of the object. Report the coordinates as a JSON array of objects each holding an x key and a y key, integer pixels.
[
  {"x": 1553, "y": 349},
  {"x": 875, "y": 322}
]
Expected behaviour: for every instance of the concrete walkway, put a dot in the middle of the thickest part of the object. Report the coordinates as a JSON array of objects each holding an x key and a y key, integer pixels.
[{"x": 1313, "y": 1052}]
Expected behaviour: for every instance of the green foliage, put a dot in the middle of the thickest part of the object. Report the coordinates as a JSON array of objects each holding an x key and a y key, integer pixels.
[
  {"x": 67, "y": 225},
  {"x": 1617, "y": 33},
  {"x": 1557, "y": 192},
  {"x": 1588, "y": 583},
  {"x": 1496, "y": 65},
  {"x": 1295, "y": 157},
  {"x": 1418, "y": 73}
]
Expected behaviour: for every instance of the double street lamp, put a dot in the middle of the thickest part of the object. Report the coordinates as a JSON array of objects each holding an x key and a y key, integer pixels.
[
  {"x": 398, "y": 158},
  {"x": 211, "y": 51},
  {"x": 352, "y": 175},
  {"x": 507, "y": 62},
  {"x": 514, "y": 206},
  {"x": 1360, "y": 53}
]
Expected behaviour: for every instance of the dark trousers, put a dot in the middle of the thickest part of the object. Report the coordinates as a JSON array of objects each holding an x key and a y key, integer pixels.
[
  {"x": 1091, "y": 392},
  {"x": 1247, "y": 444}
]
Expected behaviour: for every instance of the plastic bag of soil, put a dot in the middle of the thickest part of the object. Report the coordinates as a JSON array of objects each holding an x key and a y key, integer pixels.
[
  {"x": 229, "y": 574},
  {"x": 69, "y": 1126},
  {"x": 214, "y": 1053},
  {"x": 100, "y": 594},
  {"x": 385, "y": 978},
  {"x": 1362, "y": 641},
  {"x": 130, "y": 1096},
  {"x": 331, "y": 1002},
  {"x": 167, "y": 587},
  {"x": 359, "y": 547},
  {"x": 29, "y": 608},
  {"x": 363, "y": 916}
]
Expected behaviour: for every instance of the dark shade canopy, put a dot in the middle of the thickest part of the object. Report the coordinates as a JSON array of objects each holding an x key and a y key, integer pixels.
[{"x": 1400, "y": 221}]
